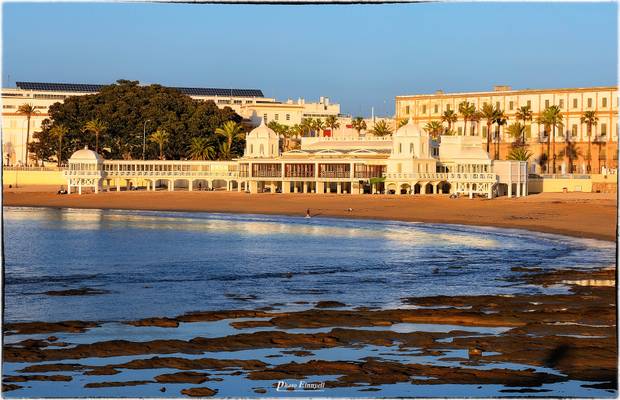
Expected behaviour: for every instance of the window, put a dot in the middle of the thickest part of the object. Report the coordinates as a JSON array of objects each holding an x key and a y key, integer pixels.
[
  {"x": 238, "y": 101},
  {"x": 447, "y": 107},
  {"x": 573, "y": 130},
  {"x": 484, "y": 131},
  {"x": 424, "y": 109},
  {"x": 262, "y": 150},
  {"x": 511, "y": 105},
  {"x": 546, "y": 103},
  {"x": 406, "y": 110},
  {"x": 460, "y": 130},
  {"x": 603, "y": 129},
  {"x": 604, "y": 101},
  {"x": 497, "y": 105},
  {"x": 265, "y": 118},
  {"x": 288, "y": 117},
  {"x": 400, "y": 148},
  {"x": 590, "y": 102},
  {"x": 436, "y": 109},
  {"x": 251, "y": 149},
  {"x": 276, "y": 117},
  {"x": 575, "y": 104},
  {"x": 529, "y": 103},
  {"x": 411, "y": 148},
  {"x": 7, "y": 106},
  {"x": 561, "y": 103}
]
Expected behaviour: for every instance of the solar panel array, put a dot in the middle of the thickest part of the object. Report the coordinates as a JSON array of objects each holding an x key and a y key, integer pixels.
[{"x": 88, "y": 88}]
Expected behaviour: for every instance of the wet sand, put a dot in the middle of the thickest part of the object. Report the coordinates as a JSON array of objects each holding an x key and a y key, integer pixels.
[{"x": 586, "y": 215}]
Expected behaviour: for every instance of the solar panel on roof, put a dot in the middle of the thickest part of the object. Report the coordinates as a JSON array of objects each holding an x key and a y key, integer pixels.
[{"x": 84, "y": 87}]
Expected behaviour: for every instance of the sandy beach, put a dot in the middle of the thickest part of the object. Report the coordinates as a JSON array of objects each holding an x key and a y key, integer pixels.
[{"x": 586, "y": 215}]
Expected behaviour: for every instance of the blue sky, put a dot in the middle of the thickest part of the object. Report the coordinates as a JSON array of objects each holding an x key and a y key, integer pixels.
[{"x": 360, "y": 55}]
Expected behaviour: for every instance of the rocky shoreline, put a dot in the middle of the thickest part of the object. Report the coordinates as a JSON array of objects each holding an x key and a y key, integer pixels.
[{"x": 556, "y": 337}]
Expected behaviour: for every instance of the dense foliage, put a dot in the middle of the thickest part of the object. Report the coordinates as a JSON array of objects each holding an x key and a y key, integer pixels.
[{"x": 117, "y": 115}]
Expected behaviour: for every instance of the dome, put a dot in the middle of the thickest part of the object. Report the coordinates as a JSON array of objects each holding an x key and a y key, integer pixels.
[
  {"x": 262, "y": 131},
  {"x": 410, "y": 129},
  {"x": 85, "y": 155}
]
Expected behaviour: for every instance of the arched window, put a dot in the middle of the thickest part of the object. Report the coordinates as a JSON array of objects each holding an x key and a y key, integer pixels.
[
  {"x": 400, "y": 148},
  {"x": 251, "y": 149},
  {"x": 261, "y": 150},
  {"x": 411, "y": 148}
]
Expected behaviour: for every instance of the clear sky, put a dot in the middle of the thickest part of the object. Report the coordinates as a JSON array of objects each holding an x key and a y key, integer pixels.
[{"x": 358, "y": 55}]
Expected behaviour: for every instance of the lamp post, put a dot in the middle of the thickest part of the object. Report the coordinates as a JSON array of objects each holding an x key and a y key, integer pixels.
[{"x": 144, "y": 138}]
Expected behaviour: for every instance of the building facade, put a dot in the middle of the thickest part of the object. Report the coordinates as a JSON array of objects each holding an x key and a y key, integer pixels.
[
  {"x": 409, "y": 162},
  {"x": 570, "y": 140},
  {"x": 251, "y": 104}
]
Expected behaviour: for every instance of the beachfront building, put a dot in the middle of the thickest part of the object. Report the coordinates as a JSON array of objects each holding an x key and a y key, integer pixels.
[
  {"x": 408, "y": 162},
  {"x": 251, "y": 104},
  {"x": 569, "y": 146}
]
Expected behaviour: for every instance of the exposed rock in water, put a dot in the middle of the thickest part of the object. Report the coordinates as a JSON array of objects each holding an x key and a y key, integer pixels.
[
  {"x": 329, "y": 304},
  {"x": 183, "y": 377},
  {"x": 199, "y": 392},
  {"x": 24, "y": 328},
  {"x": 102, "y": 371},
  {"x": 76, "y": 292},
  {"x": 7, "y": 387},
  {"x": 260, "y": 390},
  {"x": 52, "y": 368},
  {"x": 26, "y": 378},
  {"x": 160, "y": 322}
]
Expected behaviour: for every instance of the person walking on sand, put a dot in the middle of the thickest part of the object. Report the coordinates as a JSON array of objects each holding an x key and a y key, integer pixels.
[{"x": 308, "y": 213}]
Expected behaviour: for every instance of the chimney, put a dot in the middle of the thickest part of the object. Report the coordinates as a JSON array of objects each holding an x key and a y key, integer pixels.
[{"x": 502, "y": 88}]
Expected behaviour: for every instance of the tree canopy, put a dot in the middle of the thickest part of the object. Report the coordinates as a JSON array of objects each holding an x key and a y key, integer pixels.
[{"x": 125, "y": 108}]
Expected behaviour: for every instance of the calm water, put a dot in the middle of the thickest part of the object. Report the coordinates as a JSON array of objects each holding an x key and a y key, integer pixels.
[{"x": 169, "y": 263}]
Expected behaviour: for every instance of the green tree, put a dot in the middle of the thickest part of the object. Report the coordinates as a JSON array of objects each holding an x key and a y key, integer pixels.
[
  {"x": 201, "y": 149},
  {"x": 231, "y": 132},
  {"x": 306, "y": 126},
  {"x": 332, "y": 123},
  {"x": 28, "y": 110},
  {"x": 282, "y": 131},
  {"x": 551, "y": 117},
  {"x": 358, "y": 124},
  {"x": 590, "y": 119},
  {"x": 519, "y": 154},
  {"x": 488, "y": 112},
  {"x": 524, "y": 113},
  {"x": 449, "y": 117},
  {"x": 500, "y": 120},
  {"x": 381, "y": 128},
  {"x": 161, "y": 138},
  {"x": 317, "y": 126},
  {"x": 59, "y": 131},
  {"x": 467, "y": 110},
  {"x": 97, "y": 127},
  {"x": 517, "y": 131},
  {"x": 434, "y": 129},
  {"x": 43, "y": 143}
]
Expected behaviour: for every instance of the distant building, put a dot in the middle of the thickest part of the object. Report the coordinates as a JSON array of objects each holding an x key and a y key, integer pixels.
[{"x": 573, "y": 102}]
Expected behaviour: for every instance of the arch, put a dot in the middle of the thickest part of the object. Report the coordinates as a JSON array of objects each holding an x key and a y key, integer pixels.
[
  {"x": 444, "y": 187},
  {"x": 219, "y": 184},
  {"x": 200, "y": 184},
  {"x": 233, "y": 185},
  {"x": 428, "y": 188},
  {"x": 405, "y": 188},
  {"x": 417, "y": 189},
  {"x": 391, "y": 188},
  {"x": 181, "y": 183}
]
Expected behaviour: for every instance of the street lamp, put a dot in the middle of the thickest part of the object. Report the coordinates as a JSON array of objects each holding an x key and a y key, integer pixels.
[{"x": 144, "y": 138}]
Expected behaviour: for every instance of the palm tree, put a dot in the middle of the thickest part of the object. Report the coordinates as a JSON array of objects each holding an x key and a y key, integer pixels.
[
  {"x": 571, "y": 152},
  {"x": 201, "y": 148},
  {"x": 524, "y": 113},
  {"x": 358, "y": 124},
  {"x": 160, "y": 137},
  {"x": 449, "y": 117},
  {"x": 402, "y": 123},
  {"x": 381, "y": 128},
  {"x": 97, "y": 127},
  {"x": 306, "y": 126},
  {"x": 27, "y": 110},
  {"x": 59, "y": 131},
  {"x": 500, "y": 119},
  {"x": 434, "y": 128},
  {"x": 231, "y": 131},
  {"x": 488, "y": 113},
  {"x": 551, "y": 117},
  {"x": 332, "y": 123},
  {"x": 467, "y": 110},
  {"x": 519, "y": 154},
  {"x": 517, "y": 131},
  {"x": 590, "y": 119},
  {"x": 475, "y": 117},
  {"x": 318, "y": 126}
]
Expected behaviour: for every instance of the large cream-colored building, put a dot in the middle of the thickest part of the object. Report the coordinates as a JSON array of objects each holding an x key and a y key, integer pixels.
[
  {"x": 408, "y": 162},
  {"x": 573, "y": 102},
  {"x": 251, "y": 104}
]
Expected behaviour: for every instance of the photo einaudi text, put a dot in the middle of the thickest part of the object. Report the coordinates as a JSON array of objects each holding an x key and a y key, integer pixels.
[{"x": 283, "y": 386}]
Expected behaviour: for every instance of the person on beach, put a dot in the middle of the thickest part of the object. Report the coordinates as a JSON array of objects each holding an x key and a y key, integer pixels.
[{"x": 308, "y": 213}]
